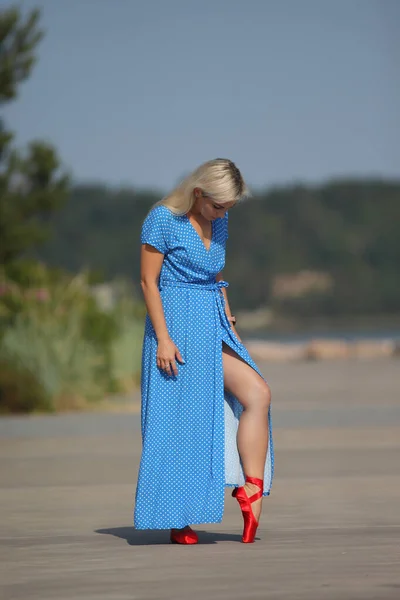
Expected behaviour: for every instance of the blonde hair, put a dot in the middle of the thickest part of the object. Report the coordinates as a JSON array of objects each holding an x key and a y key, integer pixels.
[{"x": 219, "y": 178}]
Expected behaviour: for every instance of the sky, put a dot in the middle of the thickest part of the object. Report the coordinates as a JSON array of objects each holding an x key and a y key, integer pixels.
[{"x": 139, "y": 93}]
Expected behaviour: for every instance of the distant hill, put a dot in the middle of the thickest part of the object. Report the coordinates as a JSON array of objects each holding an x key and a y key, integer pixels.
[{"x": 345, "y": 233}]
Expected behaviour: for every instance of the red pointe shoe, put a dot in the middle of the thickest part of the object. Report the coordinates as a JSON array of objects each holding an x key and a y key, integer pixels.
[
  {"x": 245, "y": 501},
  {"x": 183, "y": 536}
]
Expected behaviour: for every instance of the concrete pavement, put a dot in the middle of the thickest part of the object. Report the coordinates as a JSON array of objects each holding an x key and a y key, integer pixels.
[{"x": 329, "y": 531}]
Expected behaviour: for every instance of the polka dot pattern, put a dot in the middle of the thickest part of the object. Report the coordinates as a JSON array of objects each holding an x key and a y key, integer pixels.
[{"x": 188, "y": 422}]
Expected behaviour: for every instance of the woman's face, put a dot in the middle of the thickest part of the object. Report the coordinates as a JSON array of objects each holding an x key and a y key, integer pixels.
[{"x": 210, "y": 209}]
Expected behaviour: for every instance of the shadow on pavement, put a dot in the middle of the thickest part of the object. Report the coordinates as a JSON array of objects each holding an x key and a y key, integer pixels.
[{"x": 146, "y": 537}]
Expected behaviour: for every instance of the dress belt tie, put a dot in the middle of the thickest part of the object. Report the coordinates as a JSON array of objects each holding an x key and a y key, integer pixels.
[{"x": 213, "y": 286}]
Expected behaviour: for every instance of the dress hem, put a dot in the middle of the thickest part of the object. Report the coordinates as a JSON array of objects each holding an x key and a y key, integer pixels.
[
  {"x": 230, "y": 485},
  {"x": 234, "y": 485},
  {"x": 180, "y": 526}
]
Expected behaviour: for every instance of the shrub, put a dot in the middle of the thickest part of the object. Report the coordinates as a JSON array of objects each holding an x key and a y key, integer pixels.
[
  {"x": 53, "y": 351},
  {"x": 20, "y": 390},
  {"x": 126, "y": 352},
  {"x": 74, "y": 351}
]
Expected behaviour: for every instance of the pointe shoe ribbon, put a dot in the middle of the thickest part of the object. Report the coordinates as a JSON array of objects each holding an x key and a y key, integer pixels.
[{"x": 245, "y": 501}]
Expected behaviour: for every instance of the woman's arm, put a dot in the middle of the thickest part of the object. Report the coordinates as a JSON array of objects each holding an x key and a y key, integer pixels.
[{"x": 150, "y": 266}]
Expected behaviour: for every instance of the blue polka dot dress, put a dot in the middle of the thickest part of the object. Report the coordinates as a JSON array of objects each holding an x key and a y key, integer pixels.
[{"x": 188, "y": 422}]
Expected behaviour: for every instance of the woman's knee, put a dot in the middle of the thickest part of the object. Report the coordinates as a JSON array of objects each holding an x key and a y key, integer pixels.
[
  {"x": 265, "y": 398},
  {"x": 259, "y": 397}
]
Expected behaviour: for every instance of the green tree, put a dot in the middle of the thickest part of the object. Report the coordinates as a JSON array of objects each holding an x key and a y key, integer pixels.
[{"x": 31, "y": 185}]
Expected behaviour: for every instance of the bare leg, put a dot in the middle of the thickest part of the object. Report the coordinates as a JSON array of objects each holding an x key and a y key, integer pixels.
[{"x": 255, "y": 396}]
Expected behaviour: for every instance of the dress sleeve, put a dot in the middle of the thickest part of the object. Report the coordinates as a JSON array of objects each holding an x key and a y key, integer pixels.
[{"x": 154, "y": 229}]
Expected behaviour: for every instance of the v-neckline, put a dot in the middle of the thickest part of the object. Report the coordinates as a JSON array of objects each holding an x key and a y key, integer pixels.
[{"x": 198, "y": 235}]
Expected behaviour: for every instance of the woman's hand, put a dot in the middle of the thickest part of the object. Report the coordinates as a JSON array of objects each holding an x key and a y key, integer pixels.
[
  {"x": 232, "y": 321},
  {"x": 167, "y": 351},
  {"x": 236, "y": 333}
]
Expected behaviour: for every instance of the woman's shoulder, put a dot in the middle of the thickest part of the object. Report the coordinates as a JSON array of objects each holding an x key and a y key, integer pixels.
[
  {"x": 157, "y": 214},
  {"x": 161, "y": 212}
]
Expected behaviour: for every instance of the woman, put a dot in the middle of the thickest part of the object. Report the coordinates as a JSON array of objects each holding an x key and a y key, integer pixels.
[{"x": 205, "y": 405}]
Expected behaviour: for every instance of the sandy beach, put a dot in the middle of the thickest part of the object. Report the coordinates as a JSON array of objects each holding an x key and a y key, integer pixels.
[{"x": 330, "y": 529}]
